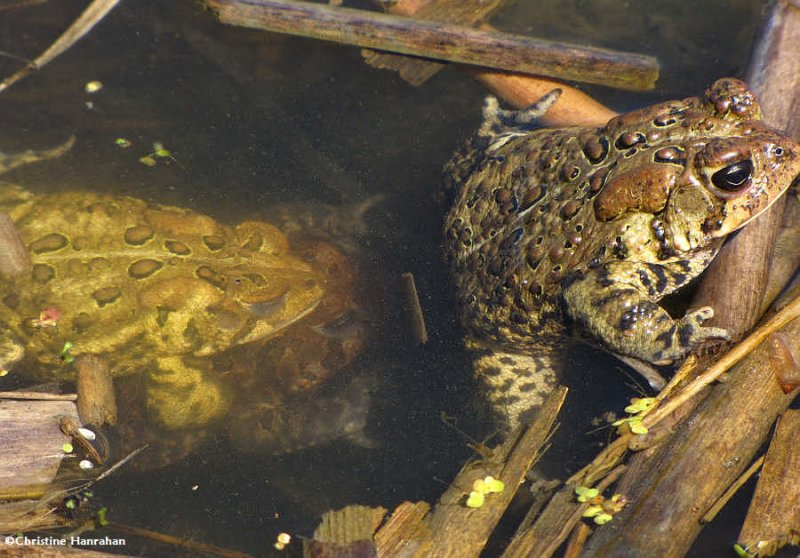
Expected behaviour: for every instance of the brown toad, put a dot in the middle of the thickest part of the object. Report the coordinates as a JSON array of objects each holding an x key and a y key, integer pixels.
[{"x": 559, "y": 231}]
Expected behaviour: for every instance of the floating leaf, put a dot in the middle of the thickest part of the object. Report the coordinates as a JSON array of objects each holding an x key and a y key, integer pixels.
[
  {"x": 67, "y": 448},
  {"x": 494, "y": 485},
  {"x": 602, "y": 518},
  {"x": 475, "y": 500},
  {"x": 284, "y": 538},
  {"x": 102, "y": 517},
  {"x": 122, "y": 142},
  {"x": 93, "y": 86},
  {"x": 593, "y": 511},
  {"x": 640, "y": 405},
  {"x": 480, "y": 486},
  {"x": 585, "y": 493},
  {"x": 148, "y": 160}
]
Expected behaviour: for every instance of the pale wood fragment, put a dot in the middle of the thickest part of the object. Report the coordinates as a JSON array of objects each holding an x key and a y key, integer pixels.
[
  {"x": 31, "y": 441},
  {"x": 773, "y": 519},
  {"x": 97, "y": 404}
]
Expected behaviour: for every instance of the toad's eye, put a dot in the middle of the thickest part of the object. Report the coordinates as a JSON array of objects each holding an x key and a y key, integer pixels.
[{"x": 734, "y": 177}]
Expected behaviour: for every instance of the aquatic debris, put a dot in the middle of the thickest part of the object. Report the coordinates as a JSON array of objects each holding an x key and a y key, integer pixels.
[
  {"x": 482, "y": 487},
  {"x": 159, "y": 152},
  {"x": 48, "y": 317},
  {"x": 88, "y": 434},
  {"x": 282, "y": 541},
  {"x": 638, "y": 408},
  {"x": 14, "y": 257},
  {"x": 85, "y": 464},
  {"x": 600, "y": 509},
  {"x": 65, "y": 352},
  {"x": 93, "y": 86}
]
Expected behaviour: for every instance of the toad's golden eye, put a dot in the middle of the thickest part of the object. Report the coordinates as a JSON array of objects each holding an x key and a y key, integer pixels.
[{"x": 735, "y": 177}]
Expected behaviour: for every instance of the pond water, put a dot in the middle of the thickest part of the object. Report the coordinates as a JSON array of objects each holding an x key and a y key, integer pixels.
[{"x": 260, "y": 125}]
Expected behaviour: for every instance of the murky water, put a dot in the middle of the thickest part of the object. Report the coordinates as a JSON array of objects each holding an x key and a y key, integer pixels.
[{"x": 258, "y": 121}]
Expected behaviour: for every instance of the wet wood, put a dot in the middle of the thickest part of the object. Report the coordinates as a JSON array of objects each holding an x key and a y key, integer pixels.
[
  {"x": 14, "y": 257},
  {"x": 38, "y": 396},
  {"x": 417, "y": 71},
  {"x": 775, "y": 77},
  {"x": 31, "y": 441},
  {"x": 442, "y": 41},
  {"x": 97, "y": 404},
  {"x": 416, "y": 317},
  {"x": 773, "y": 519},
  {"x": 407, "y": 523}
]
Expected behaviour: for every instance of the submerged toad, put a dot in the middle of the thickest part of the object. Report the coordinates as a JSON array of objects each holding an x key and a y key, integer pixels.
[
  {"x": 153, "y": 289},
  {"x": 553, "y": 232}
]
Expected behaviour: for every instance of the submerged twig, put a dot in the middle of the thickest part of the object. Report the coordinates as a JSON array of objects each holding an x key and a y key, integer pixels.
[
  {"x": 96, "y": 11},
  {"x": 442, "y": 41}
]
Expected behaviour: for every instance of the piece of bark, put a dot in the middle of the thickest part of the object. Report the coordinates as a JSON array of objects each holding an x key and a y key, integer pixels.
[
  {"x": 442, "y": 41},
  {"x": 773, "y": 519},
  {"x": 31, "y": 441},
  {"x": 14, "y": 257},
  {"x": 417, "y": 71},
  {"x": 399, "y": 534},
  {"x": 774, "y": 74},
  {"x": 97, "y": 404}
]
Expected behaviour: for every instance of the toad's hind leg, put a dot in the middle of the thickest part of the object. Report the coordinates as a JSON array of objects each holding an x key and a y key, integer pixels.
[
  {"x": 180, "y": 396},
  {"x": 516, "y": 383}
]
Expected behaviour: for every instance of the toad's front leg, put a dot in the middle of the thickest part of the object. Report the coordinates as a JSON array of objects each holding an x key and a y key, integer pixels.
[{"x": 617, "y": 305}]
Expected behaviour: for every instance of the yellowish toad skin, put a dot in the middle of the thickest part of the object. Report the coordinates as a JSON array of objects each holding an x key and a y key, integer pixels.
[
  {"x": 153, "y": 289},
  {"x": 554, "y": 232}
]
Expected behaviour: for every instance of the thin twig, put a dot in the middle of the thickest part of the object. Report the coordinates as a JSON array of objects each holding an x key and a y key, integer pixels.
[{"x": 96, "y": 11}]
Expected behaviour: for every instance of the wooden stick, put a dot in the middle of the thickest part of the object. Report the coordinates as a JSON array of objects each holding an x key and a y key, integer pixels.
[
  {"x": 442, "y": 41},
  {"x": 773, "y": 519}
]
